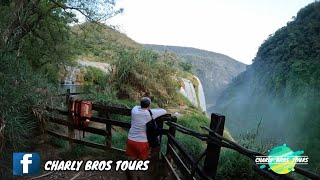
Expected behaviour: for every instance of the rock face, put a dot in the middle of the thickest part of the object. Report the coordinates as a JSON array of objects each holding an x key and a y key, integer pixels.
[
  {"x": 103, "y": 66},
  {"x": 74, "y": 75},
  {"x": 214, "y": 70},
  {"x": 196, "y": 97}
]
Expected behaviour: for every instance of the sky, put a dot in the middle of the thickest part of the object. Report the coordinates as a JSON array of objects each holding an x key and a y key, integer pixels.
[{"x": 235, "y": 28}]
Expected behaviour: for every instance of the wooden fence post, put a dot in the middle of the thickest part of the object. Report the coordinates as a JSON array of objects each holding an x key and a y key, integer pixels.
[
  {"x": 172, "y": 132},
  {"x": 68, "y": 97},
  {"x": 213, "y": 151},
  {"x": 71, "y": 133},
  {"x": 108, "y": 133}
]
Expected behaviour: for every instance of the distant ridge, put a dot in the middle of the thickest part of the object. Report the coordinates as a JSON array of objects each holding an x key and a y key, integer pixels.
[
  {"x": 215, "y": 70},
  {"x": 186, "y": 49}
]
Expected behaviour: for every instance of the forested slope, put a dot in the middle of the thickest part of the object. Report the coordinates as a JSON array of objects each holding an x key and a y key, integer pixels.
[{"x": 282, "y": 87}]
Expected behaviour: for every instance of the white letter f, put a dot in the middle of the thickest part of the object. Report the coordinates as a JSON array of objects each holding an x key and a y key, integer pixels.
[{"x": 25, "y": 161}]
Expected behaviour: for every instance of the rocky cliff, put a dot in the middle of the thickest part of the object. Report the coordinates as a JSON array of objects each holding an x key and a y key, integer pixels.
[{"x": 213, "y": 69}]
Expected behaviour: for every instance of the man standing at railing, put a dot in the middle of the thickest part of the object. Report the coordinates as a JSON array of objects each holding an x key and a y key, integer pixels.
[{"x": 137, "y": 143}]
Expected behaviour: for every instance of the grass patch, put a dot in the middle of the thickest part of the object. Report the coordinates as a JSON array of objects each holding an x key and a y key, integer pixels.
[
  {"x": 119, "y": 139},
  {"x": 233, "y": 165},
  {"x": 96, "y": 139},
  {"x": 57, "y": 142},
  {"x": 194, "y": 121},
  {"x": 76, "y": 152}
]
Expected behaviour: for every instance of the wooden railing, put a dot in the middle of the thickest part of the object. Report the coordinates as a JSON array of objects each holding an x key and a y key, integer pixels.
[{"x": 178, "y": 162}]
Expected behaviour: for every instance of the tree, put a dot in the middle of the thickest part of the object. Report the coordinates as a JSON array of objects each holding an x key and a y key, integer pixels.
[
  {"x": 34, "y": 35},
  {"x": 21, "y": 17}
]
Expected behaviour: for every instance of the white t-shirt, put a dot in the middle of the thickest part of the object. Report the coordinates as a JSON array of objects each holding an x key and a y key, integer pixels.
[{"x": 139, "y": 119}]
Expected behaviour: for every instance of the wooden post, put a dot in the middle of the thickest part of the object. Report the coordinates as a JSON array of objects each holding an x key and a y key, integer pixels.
[
  {"x": 213, "y": 151},
  {"x": 70, "y": 119},
  {"x": 68, "y": 97},
  {"x": 108, "y": 133},
  {"x": 172, "y": 131}
]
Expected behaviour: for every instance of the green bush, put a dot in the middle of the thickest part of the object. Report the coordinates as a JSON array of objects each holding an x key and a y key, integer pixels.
[
  {"x": 22, "y": 89},
  {"x": 186, "y": 66},
  {"x": 95, "y": 75}
]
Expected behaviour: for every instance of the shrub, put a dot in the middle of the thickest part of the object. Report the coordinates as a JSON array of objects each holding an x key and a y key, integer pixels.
[
  {"x": 22, "y": 89},
  {"x": 95, "y": 75},
  {"x": 186, "y": 66},
  {"x": 140, "y": 73}
]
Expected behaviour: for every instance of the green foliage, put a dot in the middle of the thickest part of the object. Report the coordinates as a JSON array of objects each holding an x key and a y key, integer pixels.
[
  {"x": 281, "y": 87},
  {"x": 57, "y": 142},
  {"x": 51, "y": 72},
  {"x": 140, "y": 73},
  {"x": 209, "y": 67},
  {"x": 186, "y": 66},
  {"x": 194, "y": 121},
  {"x": 193, "y": 145},
  {"x": 22, "y": 89},
  {"x": 96, "y": 139},
  {"x": 35, "y": 39},
  {"x": 233, "y": 165},
  {"x": 119, "y": 139},
  {"x": 98, "y": 42},
  {"x": 95, "y": 75}
]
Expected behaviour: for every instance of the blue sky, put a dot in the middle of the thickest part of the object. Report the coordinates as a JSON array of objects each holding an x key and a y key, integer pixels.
[{"x": 232, "y": 27}]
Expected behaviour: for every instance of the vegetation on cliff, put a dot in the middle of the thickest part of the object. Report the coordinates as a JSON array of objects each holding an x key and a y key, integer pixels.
[{"x": 281, "y": 87}]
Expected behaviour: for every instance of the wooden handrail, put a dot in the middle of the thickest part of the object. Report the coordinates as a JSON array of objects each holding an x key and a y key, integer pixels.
[{"x": 175, "y": 150}]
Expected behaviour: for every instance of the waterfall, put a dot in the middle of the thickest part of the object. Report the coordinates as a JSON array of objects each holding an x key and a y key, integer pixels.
[
  {"x": 202, "y": 99},
  {"x": 189, "y": 92},
  {"x": 71, "y": 75}
]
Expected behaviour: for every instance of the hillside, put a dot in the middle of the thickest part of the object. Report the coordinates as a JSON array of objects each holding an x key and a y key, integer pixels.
[
  {"x": 281, "y": 87},
  {"x": 214, "y": 70},
  {"x": 98, "y": 42}
]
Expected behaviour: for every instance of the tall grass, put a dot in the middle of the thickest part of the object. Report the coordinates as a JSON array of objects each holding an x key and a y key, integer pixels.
[
  {"x": 140, "y": 73},
  {"x": 21, "y": 90},
  {"x": 233, "y": 165}
]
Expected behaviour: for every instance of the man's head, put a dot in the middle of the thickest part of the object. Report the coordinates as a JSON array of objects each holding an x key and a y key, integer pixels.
[{"x": 145, "y": 102}]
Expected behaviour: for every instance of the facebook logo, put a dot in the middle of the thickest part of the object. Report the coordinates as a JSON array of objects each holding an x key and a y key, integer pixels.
[{"x": 26, "y": 164}]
